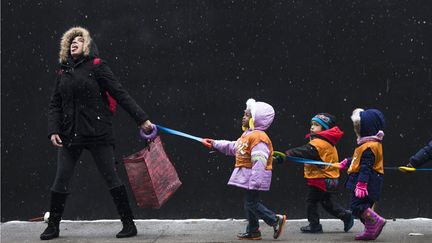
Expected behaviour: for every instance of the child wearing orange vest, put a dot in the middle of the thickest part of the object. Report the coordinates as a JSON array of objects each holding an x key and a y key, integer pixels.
[
  {"x": 366, "y": 172},
  {"x": 322, "y": 181},
  {"x": 253, "y": 167}
]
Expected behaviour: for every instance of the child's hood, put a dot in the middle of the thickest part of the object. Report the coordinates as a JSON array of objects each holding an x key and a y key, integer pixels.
[
  {"x": 333, "y": 135},
  {"x": 368, "y": 122},
  {"x": 262, "y": 114}
]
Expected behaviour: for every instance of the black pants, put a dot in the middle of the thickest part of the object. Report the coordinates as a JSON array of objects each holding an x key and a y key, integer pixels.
[
  {"x": 316, "y": 196},
  {"x": 103, "y": 155}
]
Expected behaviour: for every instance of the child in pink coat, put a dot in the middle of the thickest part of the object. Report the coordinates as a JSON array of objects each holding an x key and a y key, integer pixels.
[{"x": 253, "y": 167}]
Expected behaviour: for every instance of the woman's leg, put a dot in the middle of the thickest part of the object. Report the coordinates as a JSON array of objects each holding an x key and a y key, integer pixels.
[
  {"x": 66, "y": 160},
  {"x": 103, "y": 155}
]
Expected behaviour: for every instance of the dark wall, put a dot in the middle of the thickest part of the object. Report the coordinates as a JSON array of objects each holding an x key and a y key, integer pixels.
[{"x": 192, "y": 65}]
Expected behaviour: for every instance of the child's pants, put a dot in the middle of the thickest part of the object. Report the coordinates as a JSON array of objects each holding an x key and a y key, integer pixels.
[
  {"x": 255, "y": 210},
  {"x": 359, "y": 205},
  {"x": 316, "y": 196}
]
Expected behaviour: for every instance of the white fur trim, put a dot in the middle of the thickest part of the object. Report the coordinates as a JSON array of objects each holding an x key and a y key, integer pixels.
[
  {"x": 355, "y": 117},
  {"x": 250, "y": 105},
  {"x": 66, "y": 41}
]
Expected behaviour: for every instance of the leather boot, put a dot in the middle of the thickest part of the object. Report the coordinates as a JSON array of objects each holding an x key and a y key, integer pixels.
[
  {"x": 58, "y": 201},
  {"x": 121, "y": 201}
]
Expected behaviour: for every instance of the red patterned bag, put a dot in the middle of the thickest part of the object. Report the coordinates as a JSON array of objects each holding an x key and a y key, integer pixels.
[{"x": 151, "y": 175}]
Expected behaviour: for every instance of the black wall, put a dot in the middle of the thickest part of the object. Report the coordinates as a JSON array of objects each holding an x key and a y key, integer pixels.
[{"x": 192, "y": 65}]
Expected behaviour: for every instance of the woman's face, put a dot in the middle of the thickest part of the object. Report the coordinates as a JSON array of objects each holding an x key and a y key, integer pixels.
[{"x": 76, "y": 47}]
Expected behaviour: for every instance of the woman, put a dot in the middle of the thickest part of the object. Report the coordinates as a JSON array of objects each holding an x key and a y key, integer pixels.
[{"x": 80, "y": 117}]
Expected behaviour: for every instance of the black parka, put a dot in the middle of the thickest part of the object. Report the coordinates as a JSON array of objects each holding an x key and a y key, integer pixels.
[{"x": 79, "y": 108}]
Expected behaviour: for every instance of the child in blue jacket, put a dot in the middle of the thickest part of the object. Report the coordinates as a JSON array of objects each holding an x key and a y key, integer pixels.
[
  {"x": 422, "y": 156},
  {"x": 366, "y": 172}
]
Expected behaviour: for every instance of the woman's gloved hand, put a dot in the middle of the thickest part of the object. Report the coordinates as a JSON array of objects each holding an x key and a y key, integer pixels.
[{"x": 148, "y": 130}]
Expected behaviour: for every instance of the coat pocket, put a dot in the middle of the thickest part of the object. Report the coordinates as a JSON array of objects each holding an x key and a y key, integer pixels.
[{"x": 91, "y": 123}]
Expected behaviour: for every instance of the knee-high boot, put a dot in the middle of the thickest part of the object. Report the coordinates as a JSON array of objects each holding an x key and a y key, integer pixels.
[
  {"x": 58, "y": 201},
  {"x": 121, "y": 201}
]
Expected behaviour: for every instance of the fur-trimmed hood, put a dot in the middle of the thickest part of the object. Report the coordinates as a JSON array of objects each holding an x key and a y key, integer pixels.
[
  {"x": 367, "y": 122},
  {"x": 89, "y": 48}
]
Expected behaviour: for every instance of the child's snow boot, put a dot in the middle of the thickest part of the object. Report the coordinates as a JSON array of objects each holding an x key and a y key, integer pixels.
[{"x": 373, "y": 225}]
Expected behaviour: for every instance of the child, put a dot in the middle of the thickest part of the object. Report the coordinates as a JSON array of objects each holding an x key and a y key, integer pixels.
[
  {"x": 322, "y": 181},
  {"x": 366, "y": 172},
  {"x": 421, "y": 157},
  {"x": 253, "y": 167}
]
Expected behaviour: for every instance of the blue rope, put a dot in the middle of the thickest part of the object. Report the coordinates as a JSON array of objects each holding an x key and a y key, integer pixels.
[
  {"x": 314, "y": 162},
  {"x": 291, "y": 158},
  {"x": 308, "y": 161},
  {"x": 178, "y": 133}
]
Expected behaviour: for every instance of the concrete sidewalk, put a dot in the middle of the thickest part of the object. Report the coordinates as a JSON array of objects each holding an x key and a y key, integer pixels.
[{"x": 207, "y": 230}]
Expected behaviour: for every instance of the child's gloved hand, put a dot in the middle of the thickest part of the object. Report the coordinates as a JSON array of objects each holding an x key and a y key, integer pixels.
[
  {"x": 361, "y": 190},
  {"x": 407, "y": 168},
  {"x": 208, "y": 142},
  {"x": 279, "y": 157},
  {"x": 343, "y": 164}
]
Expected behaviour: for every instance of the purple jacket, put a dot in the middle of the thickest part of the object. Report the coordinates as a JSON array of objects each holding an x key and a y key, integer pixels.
[{"x": 257, "y": 177}]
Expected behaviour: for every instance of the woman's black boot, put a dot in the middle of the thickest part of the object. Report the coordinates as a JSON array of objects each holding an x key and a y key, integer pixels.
[
  {"x": 56, "y": 211},
  {"x": 121, "y": 201}
]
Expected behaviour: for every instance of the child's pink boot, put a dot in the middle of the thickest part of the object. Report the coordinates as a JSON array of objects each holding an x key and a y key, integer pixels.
[{"x": 373, "y": 225}]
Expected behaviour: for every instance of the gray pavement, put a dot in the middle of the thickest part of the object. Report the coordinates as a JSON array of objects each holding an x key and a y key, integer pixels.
[{"x": 207, "y": 230}]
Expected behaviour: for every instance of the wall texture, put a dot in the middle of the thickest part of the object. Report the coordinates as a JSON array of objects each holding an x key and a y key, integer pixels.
[{"x": 192, "y": 65}]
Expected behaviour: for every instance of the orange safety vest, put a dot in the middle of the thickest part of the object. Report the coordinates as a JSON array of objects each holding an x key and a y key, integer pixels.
[
  {"x": 244, "y": 147},
  {"x": 328, "y": 153},
  {"x": 377, "y": 150}
]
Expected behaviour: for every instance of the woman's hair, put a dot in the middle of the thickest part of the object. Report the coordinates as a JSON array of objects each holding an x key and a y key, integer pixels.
[{"x": 66, "y": 41}]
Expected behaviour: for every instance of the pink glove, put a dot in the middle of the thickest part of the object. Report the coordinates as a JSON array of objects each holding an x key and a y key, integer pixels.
[
  {"x": 361, "y": 190},
  {"x": 343, "y": 164}
]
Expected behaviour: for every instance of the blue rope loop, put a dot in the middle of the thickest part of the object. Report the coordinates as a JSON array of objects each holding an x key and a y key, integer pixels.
[{"x": 178, "y": 133}]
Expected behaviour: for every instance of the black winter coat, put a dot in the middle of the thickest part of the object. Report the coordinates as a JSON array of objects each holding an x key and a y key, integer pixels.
[{"x": 79, "y": 108}]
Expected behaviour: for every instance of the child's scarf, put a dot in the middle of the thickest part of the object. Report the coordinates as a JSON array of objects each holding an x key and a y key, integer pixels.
[{"x": 376, "y": 138}]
